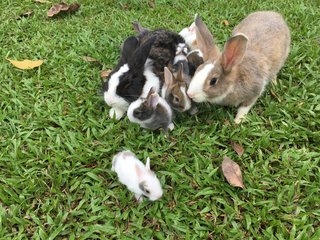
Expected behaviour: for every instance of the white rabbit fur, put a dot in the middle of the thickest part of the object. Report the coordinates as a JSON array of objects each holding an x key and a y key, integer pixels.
[{"x": 138, "y": 177}]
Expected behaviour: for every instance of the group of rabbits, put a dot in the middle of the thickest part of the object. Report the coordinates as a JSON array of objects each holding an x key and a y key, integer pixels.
[{"x": 160, "y": 71}]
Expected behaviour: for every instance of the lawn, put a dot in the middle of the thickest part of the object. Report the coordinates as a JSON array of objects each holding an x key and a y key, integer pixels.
[{"x": 57, "y": 141}]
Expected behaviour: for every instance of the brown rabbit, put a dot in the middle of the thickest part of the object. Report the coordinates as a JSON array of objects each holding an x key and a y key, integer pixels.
[{"x": 253, "y": 55}]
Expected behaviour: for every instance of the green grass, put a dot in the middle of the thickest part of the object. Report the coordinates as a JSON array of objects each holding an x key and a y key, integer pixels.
[{"x": 57, "y": 141}]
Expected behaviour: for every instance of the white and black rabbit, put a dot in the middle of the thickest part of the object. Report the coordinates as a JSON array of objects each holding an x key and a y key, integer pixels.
[
  {"x": 138, "y": 177},
  {"x": 151, "y": 112},
  {"x": 140, "y": 68}
]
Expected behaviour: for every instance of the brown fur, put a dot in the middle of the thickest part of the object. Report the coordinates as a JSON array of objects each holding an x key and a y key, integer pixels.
[
  {"x": 174, "y": 82},
  {"x": 258, "y": 58}
]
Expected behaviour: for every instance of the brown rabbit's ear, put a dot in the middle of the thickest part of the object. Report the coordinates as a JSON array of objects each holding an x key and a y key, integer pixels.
[
  {"x": 205, "y": 40},
  {"x": 180, "y": 72},
  {"x": 168, "y": 78},
  {"x": 234, "y": 51}
]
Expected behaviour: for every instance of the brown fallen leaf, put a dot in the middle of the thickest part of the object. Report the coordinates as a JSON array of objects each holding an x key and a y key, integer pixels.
[
  {"x": 105, "y": 73},
  {"x": 225, "y": 22},
  {"x": 26, "y": 64},
  {"x": 151, "y": 4},
  {"x": 232, "y": 172},
  {"x": 238, "y": 148},
  {"x": 24, "y": 15},
  {"x": 62, "y": 8},
  {"x": 226, "y": 122}
]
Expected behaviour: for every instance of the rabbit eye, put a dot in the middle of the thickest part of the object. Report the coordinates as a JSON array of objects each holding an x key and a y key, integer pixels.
[
  {"x": 147, "y": 191},
  {"x": 176, "y": 99},
  {"x": 137, "y": 112},
  {"x": 213, "y": 81}
]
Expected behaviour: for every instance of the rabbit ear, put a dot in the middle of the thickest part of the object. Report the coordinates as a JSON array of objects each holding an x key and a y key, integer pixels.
[
  {"x": 140, "y": 55},
  {"x": 128, "y": 47},
  {"x": 205, "y": 40},
  {"x": 234, "y": 51},
  {"x": 168, "y": 78},
  {"x": 148, "y": 164},
  {"x": 139, "y": 172},
  {"x": 153, "y": 100},
  {"x": 180, "y": 72}
]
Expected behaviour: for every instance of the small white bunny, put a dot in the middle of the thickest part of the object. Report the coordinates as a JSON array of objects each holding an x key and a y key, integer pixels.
[{"x": 138, "y": 177}]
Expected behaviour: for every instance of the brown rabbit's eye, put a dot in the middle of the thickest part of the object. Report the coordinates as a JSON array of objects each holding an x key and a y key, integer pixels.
[
  {"x": 176, "y": 99},
  {"x": 213, "y": 81}
]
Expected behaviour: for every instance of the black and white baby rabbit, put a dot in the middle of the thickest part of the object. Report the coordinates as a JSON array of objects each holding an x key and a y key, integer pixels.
[
  {"x": 141, "y": 66},
  {"x": 152, "y": 112}
]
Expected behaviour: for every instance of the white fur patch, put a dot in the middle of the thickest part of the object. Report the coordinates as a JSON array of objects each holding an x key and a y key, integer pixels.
[
  {"x": 110, "y": 96},
  {"x": 186, "y": 99},
  {"x": 164, "y": 90},
  {"x": 152, "y": 80},
  {"x": 242, "y": 112},
  {"x": 195, "y": 90},
  {"x": 189, "y": 34},
  {"x": 179, "y": 57},
  {"x": 199, "y": 53},
  {"x": 134, "y": 105}
]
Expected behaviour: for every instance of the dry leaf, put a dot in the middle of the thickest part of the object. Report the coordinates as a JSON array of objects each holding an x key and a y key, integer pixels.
[
  {"x": 105, "y": 73},
  {"x": 227, "y": 122},
  {"x": 26, "y": 64},
  {"x": 151, "y": 4},
  {"x": 90, "y": 59},
  {"x": 225, "y": 22},
  {"x": 24, "y": 15},
  {"x": 238, "y": 148},
  {"x": 62, "y": 8},
  {"x": 232, "y": 172},
  {"x": 41, "y": 1}
]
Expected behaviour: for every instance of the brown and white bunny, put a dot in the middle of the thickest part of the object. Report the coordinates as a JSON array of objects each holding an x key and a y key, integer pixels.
[
  {"x": 174, "y": 89},
  {"x": 138, "y": 177},
  {"x": 151, "y": 112},
  {"x": 254, "y": 54}
]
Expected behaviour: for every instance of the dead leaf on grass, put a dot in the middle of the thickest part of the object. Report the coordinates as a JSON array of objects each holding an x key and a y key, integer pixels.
[
  {"x": 41, "y": 1},
  {"x": 226, "y": 122},
  {"x": 24, "y": 15},
  {"x": 232, "y": 172},
  {"x": 62, "y": 8},
  {"x": 105, "y": 73},
  {"x": 225, "y": 22},
  {"x": 90, "y": 59},
  {"x": 151, "y": 4},
  {"x": 238, "y": 148},
  {"x": 26, "y": 64}
]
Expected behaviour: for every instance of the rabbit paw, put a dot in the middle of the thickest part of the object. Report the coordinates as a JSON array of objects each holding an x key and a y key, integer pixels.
[
  {"x": 171, "y": 126},
  {"x": 116, "y": 113},
  {"x": 193, "y": 110}
]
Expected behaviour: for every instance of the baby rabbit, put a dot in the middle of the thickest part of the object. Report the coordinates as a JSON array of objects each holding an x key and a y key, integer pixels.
[
  {"x": 138, "y": 177},
  {"x": 174, "y": 89},
  {"x": 151, "y": 112},
  {"x": 253, "y": 55}
]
